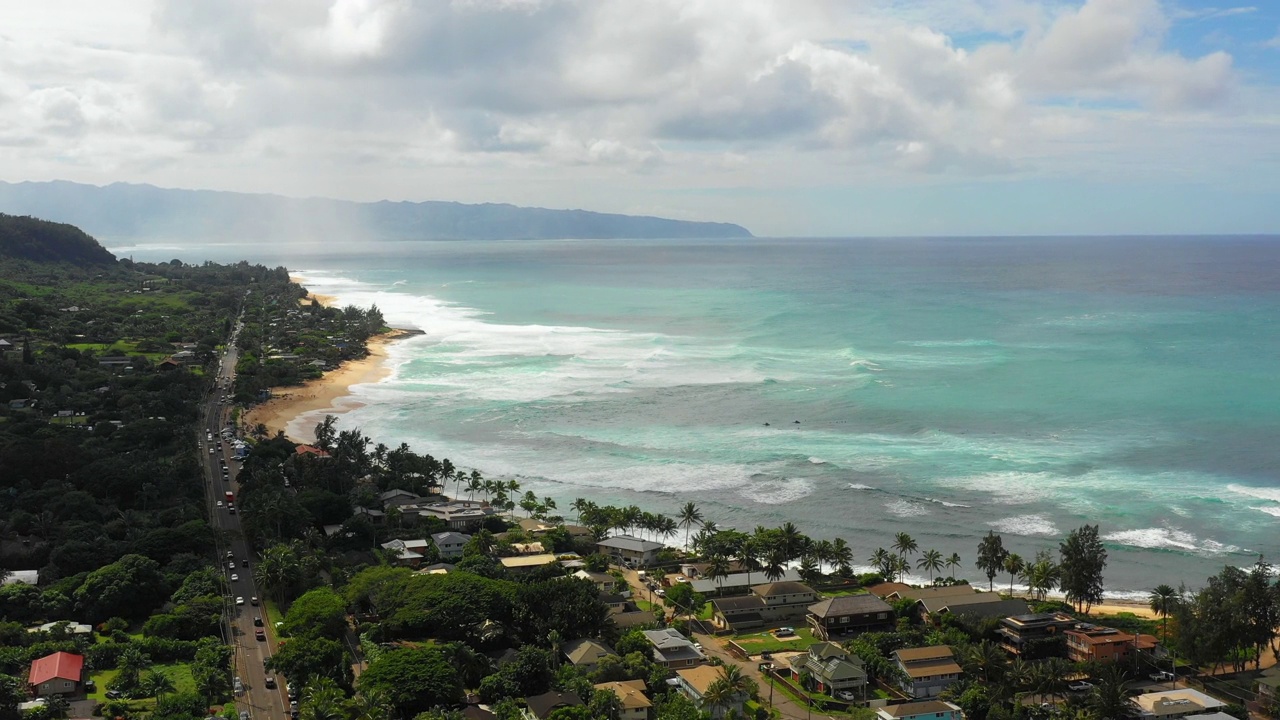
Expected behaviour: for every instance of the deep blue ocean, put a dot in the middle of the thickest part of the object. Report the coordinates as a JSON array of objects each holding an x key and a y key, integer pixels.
[{"x": 858, "y": 387}]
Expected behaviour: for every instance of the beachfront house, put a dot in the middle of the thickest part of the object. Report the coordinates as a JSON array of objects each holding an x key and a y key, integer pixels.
[
  {"x": 1094, "y": 643},
  {"x": 738, "y": 583},
  {"x": 845, "y": 614},
  {"x": 926, "y": 671},
  {"x": 767, "y": 603},
  {"x": 1035, "y": 636},
  {"x": 630, "y": 550}
]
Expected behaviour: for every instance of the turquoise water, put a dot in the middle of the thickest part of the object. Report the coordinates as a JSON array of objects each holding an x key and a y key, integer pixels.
[{"x": 943, "y": 387}]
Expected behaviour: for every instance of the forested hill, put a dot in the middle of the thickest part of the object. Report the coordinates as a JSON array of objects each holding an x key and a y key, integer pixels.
[
  {"x": 128, "y": 212},
  {"x": 28, "y": 238}
]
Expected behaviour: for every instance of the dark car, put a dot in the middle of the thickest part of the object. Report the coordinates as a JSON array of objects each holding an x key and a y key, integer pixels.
[
  {"x": 260, "y": 636},
  {"x": 270, "y": 682},
  {"x": 257, "y": 622}
]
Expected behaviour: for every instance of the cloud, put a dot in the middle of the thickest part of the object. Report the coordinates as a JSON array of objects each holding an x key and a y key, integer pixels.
[
  {"x": 536, "y": 99},
  {"x": 1213, "y": 13}
]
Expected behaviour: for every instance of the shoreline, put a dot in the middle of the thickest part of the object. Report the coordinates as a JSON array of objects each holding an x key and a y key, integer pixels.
[{"x": 329, "y": 393}]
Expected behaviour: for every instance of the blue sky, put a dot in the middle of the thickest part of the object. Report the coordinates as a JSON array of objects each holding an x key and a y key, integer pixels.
[{"x": 796, "y": 117}]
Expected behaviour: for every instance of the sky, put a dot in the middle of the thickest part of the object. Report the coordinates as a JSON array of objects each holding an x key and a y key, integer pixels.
[{"x": 792, "y": 118}]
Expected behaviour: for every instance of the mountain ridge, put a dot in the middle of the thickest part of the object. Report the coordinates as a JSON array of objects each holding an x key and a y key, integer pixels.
[
  {"x": 129, "y": 211},
  {"x": 24, "y": 237}
]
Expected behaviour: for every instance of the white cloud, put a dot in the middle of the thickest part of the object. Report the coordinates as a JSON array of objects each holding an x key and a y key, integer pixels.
[{"x": 533, "y": 100}]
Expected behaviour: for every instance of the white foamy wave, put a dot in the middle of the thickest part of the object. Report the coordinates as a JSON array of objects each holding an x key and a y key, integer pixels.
[
  {"x": 1261, "y": 493},
  {"x": 1025, "y": 525},
  {"x": 777, "y": 492},
  {"x": 1169, "y": 539},
  {"x": 1268, "y": 509},
  {"x": 1006, "y": 488},
  {"x": 817, "y": 461},
  {"x": 906, "y": 508},
  {"x": 860, "y": 486},
  {"x": 948, "y": 343}
]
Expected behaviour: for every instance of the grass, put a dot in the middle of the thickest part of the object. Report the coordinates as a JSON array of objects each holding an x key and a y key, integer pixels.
[
  {"x": 844, "y": 591},
  {"x": 646, "y": 605},
  {"x": 755, "y": 643},
  {"x": 706, "y": 612},
  {"x": 178, "y": 673},
  {"x": 273, "y": 613}
]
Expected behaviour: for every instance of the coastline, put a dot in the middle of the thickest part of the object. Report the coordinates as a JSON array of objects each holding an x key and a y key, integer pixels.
[{"x": 328, "y": 394}]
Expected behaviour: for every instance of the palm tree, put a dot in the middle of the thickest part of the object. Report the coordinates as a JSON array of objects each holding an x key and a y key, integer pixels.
[
  {"x": 56, "y": 706},
  {"x": 842, "y": 556},
  {"x": 1163, "y": 599},
  {"x": 904, "y": 544},
  {"x": 718, "y": 569},
  {"x": 985, "y": 659},
  {"x": 953, "y": 562},
  {"x": 372, "y": 704},
  {"x": 554, "y": 641},
  {"x": 1110, "y": 697},
  {"x": 775, "y": 565},
  {"x": 792, "y": 540},
  {"x": 880, "y": 561},
  {"x": 323, "y": 700},
  {"x": 157, "y": 684},
  {"x": 930, "y": 561},
  {"x": 1013, "y": 565},
  {"x": 690, "y": 515}
]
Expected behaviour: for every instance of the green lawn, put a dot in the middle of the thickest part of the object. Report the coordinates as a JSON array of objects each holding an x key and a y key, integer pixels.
[
  {"x": 646, "y": 605},
  {"x": 179, "y": 674},
  {"x": 755, "y": 643},
  {"x": 706, "y": 612},
  {"x": 273, "y": 613},
  {"x": 844, "y": 591}
]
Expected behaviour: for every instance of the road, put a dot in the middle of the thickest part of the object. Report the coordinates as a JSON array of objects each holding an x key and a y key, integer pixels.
[{"x": 260, "y": 701}]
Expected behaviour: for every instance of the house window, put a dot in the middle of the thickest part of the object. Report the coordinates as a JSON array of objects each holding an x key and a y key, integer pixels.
[
  {"x": 882, "y": 616},
  {"x": 844, "y": 619}
]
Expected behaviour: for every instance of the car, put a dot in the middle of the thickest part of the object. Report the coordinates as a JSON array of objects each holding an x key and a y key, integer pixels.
[
  {"x": 234, "y": 577},
  {"x": 244, "y": 563},
  {"x": 697, "y": 646},
  {"x": 1080, "y": 686},
  {"x": 239, "y": 685},
  {"x": 784, "y": 631},
  {"x": 239, "y": 600},
  {"x": 846, "y": 696},
  {"x": 257, "y": 621},
  {"x": 244, "y": 715},
  {"x": 231, "y": 565},
  {"x": 210, "y": 451},
  {"x": 293, "y": 693},
  {"x": 260, "y": 636},
  {"x": 660, "y": 592},
  {"x": 230, "y": 555},
  {"x": 270, "y": 683},
  {"x": 1162, "y": 676},
  {"x": 231, "y": 509},
  {"x": 293, "y": 704},
  {"x": 114, "y": 694},
  {"x": 253, "y": 601},
  {"x": 219, "y": 503},
  {"x": 90, "y": 685}
]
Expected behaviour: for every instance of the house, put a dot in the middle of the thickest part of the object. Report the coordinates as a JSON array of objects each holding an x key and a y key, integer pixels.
[
  {"x": 585, "y": 654},
  {"x": 58, "y": 674},
  {"x": 831, "y": 667},
  {"x": 983, "y": 610},
  {"x": 69, "y": 628},
  {"x": 311, "y": 450},
  {"x": 407, "y": 498},
  {"x": 738, "y": 583},
  {"x": 1269, "y": 686},
  {"x": 450, "y": 544},
  {"x": 933, "y": 606},
  {"x": 527, "y": 563},
  {"x": 770, "y": 602},
  {"x": 672, "y": 650},
  {"x": 402, "y": 554},
  {"x": 742, "y": 612},
  {"x": 927, "y": 671},
  {"x": 629, "y": 617},
  {"x": 604, "y": 582},
  {"x": 884, "y": 589},
  {"x": 927, "y": 710},
  {"x": 630, "y": 550},
  {"x": 459, "y": 515},
  {"x": 694, "y": 683},
  {"x": 635, "y": 704},
  {"x": 1034, "y": 636},
  {"x": 1176, "y": 704},
  {"x": 534, "y": 526},
  {"x": 540, "y": 706},
  {"x": 927, "y": 593},
  {"x": 1093, "y": 643},
  {"x": 848, "y": 614}
]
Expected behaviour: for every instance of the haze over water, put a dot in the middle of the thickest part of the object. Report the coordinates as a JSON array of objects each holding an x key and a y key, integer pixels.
[{"x": 943, "y": 387}]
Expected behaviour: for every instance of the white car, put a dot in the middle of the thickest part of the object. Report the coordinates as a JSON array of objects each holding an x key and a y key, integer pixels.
[
  {"x": 234, "y": 577},
  {"x": 219, "y": 503},
  {"x": 846, "y": 696},
  {"x": 231, "y": 565},
  {"x": 239, "y": 601},
  {"x": 1080, "y": 686}
]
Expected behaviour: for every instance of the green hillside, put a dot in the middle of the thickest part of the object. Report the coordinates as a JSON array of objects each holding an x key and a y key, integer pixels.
[{"x": 28, "y": 238}]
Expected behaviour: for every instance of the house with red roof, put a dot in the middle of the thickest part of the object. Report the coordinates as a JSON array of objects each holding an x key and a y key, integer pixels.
[
  {"x": 310, "y": 450},
  {"x": 58, "y": 674}
]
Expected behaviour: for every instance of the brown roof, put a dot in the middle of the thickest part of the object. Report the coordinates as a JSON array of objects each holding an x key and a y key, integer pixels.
[
  {"x": 941, "y": 591},
  {"x": 887, "y": 588},
  {"x": 930, "y": 668},
  {"x": 849, "y": 605},
  {"x": 924, "y": 653},
  {"x": 542, "y": 705},
  {"x": 784, "y": 587},
  {"x": 740, "y": 603},
  {"x": 700, "y": 677},
  {"x": 630, "y": 692}
]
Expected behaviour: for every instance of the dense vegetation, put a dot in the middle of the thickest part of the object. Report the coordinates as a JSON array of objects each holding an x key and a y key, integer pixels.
[{"x": 26, "y": 238}]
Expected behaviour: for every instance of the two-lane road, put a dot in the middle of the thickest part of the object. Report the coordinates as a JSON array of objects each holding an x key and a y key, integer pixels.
[{"x": 237, "y": 561}]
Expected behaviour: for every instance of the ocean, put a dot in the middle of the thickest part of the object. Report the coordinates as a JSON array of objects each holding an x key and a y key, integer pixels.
[{"x": 857, "y": 387}]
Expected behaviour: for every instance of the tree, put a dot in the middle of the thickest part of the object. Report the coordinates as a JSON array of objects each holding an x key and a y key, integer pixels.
[
  {"x": 953, "y": 562},
  {"x": 991, "y": 555},
  {"x": 130, "y": 587},
  {"x": 905, "y": 544},
  {"x": 842, "y": 556},
  {"x": 931, "y": 561},
  {"x": 317, "y": 613},
  {"x": 1083, "y": 558},
  {"x": 1110, "y": 697},
  {"x": 684, "y": 598},
  {"x": 1162, "y": 600},
  {"x": 157, "y": 684},
  {"x": 413, "y": 679},
  {"x": 690, "y": 515},
  {"x": 1013, "y": 565},
  {"x": 302, "y": 658}
]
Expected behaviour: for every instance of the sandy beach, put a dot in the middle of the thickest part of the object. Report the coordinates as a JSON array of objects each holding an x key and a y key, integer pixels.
[{"x": 326, "y": 394}]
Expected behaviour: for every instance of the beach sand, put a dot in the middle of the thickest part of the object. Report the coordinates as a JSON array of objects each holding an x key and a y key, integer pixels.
[
  {"x": 326, "y": 394},
  {"x": 325, "y": 300}
]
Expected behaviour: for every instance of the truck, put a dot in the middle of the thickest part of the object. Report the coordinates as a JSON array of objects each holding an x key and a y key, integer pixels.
[{"x": 230, "y": 497}]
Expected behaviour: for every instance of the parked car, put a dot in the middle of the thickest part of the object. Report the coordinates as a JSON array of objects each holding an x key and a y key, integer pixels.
[
  {"x": 1080, "y": 686},
  {"x": 784, "y": 631},
  {"x": 846, "y": 696},
  {"x": 114, "y": 694},
  {"x": 270, "y": 683},
  {"x": 1162, "y": 676},
  {"x": 260, "y": 636},
  {"x": 231, "y": 565},
  {"x": 257, "y": 621},
  {"x": 253, "y": 600}
]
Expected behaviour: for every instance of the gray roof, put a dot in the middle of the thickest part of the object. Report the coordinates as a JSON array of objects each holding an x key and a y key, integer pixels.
[
  {"x": 628, "y": 542},
  {"x": 849, "y": 605},
  {"x": 450, "y": 537},
  {"x": 740, "y": 603},
  {"x": 704, "y": 586},
  {"x": 670, "y": 645}
]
